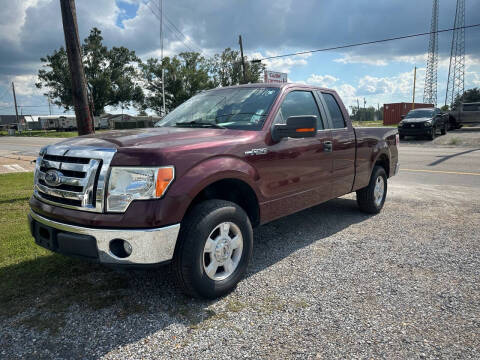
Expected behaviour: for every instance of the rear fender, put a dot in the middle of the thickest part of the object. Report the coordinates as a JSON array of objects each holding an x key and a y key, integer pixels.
[{"x": 381, "y": 149}]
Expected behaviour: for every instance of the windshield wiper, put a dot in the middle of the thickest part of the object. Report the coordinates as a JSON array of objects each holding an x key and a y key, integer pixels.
[{"x": 196, "y": 123}]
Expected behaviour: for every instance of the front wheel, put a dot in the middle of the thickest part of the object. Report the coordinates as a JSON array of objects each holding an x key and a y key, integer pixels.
[
  {"x": 214, "y": 249},
  {"x": 445, "y": 128},
  {"x": 433, "y": 133},
  {"x": 371, "y": 198}
]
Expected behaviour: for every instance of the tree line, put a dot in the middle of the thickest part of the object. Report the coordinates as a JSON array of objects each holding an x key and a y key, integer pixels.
[
  {"x": 366, "y": 114},
  {"x": 117, "y": 77}
]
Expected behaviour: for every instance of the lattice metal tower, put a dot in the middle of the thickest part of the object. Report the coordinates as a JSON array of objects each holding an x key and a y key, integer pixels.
[
  {"x": 456, "y": 71},
  {"x": 430, "y": 89}
]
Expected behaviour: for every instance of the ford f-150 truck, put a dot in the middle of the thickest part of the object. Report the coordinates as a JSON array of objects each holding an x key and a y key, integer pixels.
[{"x": 189, "y": 191}]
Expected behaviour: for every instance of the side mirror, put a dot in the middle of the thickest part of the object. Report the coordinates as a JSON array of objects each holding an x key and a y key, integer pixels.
[
  {"x": 402, "y": 117},
  {"x": 296, "y": 127}
]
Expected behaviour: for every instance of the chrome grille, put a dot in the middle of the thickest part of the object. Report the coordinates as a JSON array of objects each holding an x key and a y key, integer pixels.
[{"x": 72, "y": 177}]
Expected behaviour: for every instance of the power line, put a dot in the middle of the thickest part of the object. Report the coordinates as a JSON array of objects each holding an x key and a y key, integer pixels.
[
  {"x": 192, "y": 43},
  {"x": 179, "y": 37},
  {"x": 363, "y": 43}
]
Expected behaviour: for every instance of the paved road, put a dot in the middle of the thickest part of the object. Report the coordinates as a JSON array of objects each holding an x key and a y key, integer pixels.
[
  {"x": 439, "y": 166},
  {"x": 16, "y": 153},
  {"x": 28, "y": 146}
]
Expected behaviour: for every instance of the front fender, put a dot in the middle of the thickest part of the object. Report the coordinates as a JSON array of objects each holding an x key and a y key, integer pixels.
[{"x": 197, "y": 178}]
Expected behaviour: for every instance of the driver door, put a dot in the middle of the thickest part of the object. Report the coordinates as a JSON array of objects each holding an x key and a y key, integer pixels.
[{"x": 296, "y": 174}]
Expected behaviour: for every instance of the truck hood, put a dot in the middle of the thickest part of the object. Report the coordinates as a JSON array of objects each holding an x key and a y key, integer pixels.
[
  {"x": 416, "y": 120},
  {"x": 157, "y": 138},
  {"x": 182, "y": 147}
]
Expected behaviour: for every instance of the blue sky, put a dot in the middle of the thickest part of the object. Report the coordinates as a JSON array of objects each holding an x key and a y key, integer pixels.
[{"x": 379, "y": 73}]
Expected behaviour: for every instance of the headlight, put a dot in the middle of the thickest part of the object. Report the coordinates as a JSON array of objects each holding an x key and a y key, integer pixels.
[
  {"x": 400, "y": 123},
  {"x": 428, "y": 123},
  {"x": 134, "y": 183}
]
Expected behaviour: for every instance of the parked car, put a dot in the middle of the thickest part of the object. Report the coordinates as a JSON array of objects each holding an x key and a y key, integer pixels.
[
  {"x": 465, "y": 113},
  {"x": 423, "y": 122},
  {"x": 190, "y": 190}
]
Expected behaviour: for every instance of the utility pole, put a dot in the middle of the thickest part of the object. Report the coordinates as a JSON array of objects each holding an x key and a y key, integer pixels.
[
  {"x": 414, "y": 82},
  {"x": 364, "y": 104},
  {"x": 15, "y": 100},
  {"x": 243, "y": 59},
  {"x": 161, "y": 57},
  {"x": 49, "y": 106},
  {"x": 79, "y": 88}
]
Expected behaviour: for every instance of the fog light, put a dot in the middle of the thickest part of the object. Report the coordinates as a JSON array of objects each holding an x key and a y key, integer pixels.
[
  {"x": 120, "y": 248},
  {"x": 127, "y": 247}
]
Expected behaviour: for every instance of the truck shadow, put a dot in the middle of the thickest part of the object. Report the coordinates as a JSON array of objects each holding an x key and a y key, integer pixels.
[
  {"x": 58, "y": 297},
  {"x": 448, "y": 157}
]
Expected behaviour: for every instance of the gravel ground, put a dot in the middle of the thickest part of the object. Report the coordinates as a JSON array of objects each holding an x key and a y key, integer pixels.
[{"x": 328, "y": 282}]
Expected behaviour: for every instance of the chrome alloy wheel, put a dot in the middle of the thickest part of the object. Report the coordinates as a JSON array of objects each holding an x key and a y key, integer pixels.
[
  {"x": 223, "y": 251},
  {"x": 379, "y": 190}
]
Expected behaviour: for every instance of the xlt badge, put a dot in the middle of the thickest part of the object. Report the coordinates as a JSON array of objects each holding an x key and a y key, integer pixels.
[{"x": 261, "y": 151}]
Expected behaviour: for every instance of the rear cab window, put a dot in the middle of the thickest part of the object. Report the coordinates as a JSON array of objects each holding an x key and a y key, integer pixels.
[
  {"x": 336, "y": 115},
  {"x": 299, "y": 103}
]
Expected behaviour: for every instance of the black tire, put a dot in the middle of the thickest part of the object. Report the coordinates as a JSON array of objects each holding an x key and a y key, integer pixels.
[
  {"x": 188, "y": 262},
  {"x": 444, "y": 129},
  {"x": 401, "y": 137},
  {"x": 433, "y": 133},
  {"x": 366, "y": 197}
]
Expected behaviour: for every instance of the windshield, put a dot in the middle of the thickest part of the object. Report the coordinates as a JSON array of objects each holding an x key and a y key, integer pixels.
[
  {"x": 420, "y": 113},
  {"x": 232, "y": 108}
]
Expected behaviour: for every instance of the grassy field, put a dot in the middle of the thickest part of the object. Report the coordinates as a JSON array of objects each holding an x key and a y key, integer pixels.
[
  {"x": 37, "y": 281},
  {"x": 378, "y": 123},
  {"x": 43, "y": 133}
]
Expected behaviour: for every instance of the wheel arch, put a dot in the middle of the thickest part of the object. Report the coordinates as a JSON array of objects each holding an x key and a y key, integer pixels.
[{"x": 230, "y": 189}]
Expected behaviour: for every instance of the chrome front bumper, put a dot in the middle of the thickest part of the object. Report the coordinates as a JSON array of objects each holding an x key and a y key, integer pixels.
[{"x": 149, "y": 246}]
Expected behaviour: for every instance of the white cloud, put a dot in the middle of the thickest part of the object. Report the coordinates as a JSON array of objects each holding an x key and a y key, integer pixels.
[
  {"x": 25, "y": 85},
  {"x": 361, "y": 59},
  {"x": 322, "y": 80},
  {"x": 281, "y": 64}
]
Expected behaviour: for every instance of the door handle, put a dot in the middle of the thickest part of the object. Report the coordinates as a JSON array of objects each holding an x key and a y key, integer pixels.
[{"x": 327, "y": 146}]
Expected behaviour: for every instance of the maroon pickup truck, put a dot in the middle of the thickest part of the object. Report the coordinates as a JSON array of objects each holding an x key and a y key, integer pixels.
[{"x": 189, "y": 191}]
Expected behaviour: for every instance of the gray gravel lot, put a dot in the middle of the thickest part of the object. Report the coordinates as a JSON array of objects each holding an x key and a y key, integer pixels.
[{"x": 328, "y": 282}]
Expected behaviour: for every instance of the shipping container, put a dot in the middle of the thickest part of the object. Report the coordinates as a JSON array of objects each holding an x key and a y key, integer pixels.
[{"x": 392, "y": 113}]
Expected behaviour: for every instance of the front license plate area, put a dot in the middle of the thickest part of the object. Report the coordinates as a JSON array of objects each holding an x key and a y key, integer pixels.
[{"x": 45, "y": 237}]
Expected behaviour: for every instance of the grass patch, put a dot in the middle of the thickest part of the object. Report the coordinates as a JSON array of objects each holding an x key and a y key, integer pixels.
[
  {"x": 42, "y": 133},
  {"x": 47, "y": 133},
  {"x": 377, "y": 123},
  {"x": 41, "y": 283},
  {"x": 454, "y": 141}
]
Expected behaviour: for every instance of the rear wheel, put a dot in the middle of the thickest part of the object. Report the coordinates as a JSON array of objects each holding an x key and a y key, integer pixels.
[
  {"x": 214, "y": 248},
  {"x": 371, "y": 198}
]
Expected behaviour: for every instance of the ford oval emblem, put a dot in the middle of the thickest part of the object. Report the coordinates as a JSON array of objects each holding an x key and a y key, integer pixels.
[{"x": 53, "y": 177}]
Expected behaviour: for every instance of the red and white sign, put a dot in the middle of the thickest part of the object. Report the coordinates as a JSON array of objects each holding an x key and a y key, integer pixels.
[{"x": 275, "y": 77}]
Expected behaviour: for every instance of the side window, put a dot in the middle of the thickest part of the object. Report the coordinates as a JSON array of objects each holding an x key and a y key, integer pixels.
[
  {"x": 298, "y": 103},
  {"x": 335, "y": 112}
]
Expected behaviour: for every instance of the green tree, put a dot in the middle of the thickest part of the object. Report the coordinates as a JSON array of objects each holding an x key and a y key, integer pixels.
[
  {"x": 445, "y": 108},
  {"x": 185, "y": 75},
  {"x": 471, "y": 95},
  {"x": 226, "y": 69},
  {"x": 112, "y": 76},
  {"x": 366, "y": 114}
]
